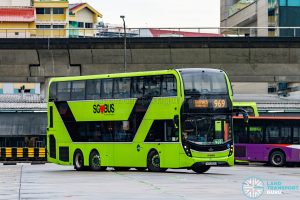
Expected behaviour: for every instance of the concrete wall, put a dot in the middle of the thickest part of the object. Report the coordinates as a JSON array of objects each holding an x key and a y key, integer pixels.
[
  {"x": 249, "y": 88},
  {"x": 244, "y": 59},
  {"x": 245, "y": 64}
]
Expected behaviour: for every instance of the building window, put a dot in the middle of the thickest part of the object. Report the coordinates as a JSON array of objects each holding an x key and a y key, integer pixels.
[
  {"x": 282, "y": 2},
  {"x": 43, "y": 11},
  {"x": 58, "y": 26},
  {"x": 293, "y": 3},
  {"x": 58, "y": 11},
  {"x": 43, "y": 26},
  {"x": 80, "y": 24},
  {"x": 88, "y": 25}
]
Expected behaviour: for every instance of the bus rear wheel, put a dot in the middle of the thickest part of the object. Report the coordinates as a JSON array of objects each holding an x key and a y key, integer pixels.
[
  {"x": 153, "y": 162},
  {"x": 199, "y": 169},
  {"x": 78, "y": 160},
  {"x": 277, "y": 159},
  {"x": 95, "y": 162}
]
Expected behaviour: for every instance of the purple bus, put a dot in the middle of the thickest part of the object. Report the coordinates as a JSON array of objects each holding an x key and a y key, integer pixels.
[{"x": 275, "y": 140}]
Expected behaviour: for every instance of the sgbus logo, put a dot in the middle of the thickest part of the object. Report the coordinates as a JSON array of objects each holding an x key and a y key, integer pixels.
[{"x": 104, "y": 108}]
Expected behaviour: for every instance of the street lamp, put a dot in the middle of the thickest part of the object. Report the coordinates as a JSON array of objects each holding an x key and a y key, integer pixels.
[{"x": 124, "y": 25}]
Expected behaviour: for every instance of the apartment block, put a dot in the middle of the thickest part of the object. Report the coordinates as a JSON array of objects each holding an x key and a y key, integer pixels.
[
  {"x": 83, "y": 19},
  {"x": 266, "y": 15},
  {"x": 52, "y": 18}
]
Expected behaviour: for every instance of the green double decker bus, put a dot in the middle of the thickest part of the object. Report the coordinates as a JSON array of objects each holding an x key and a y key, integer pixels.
[{"x": 177, "y": 118}]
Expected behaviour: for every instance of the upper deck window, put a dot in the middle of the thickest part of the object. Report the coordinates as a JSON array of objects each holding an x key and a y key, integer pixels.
[
  {"x": 114, "y": 88},
  {"x": 63, "y": 91},
  {"x": 204, "y": 82}
]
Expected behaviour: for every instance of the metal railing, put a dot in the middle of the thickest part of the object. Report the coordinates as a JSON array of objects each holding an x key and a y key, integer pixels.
[{"x": 152, "y": 32}]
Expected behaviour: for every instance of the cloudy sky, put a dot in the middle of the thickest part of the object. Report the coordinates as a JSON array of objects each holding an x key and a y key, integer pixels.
[{"x": 159, "y": 13}]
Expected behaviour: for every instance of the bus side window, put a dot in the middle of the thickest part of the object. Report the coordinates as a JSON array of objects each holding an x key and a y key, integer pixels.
[
  {"x": 123, "y": 131},
  {"x": 255, "y": 135},
  {"x": 272, "y": 135},
  {"x": 63, "y": 91},
  {"x": 93, "y": 89},
  {"x": 53, "y": 92},
  {"x": 169, "y": 86},
  {"x": 240, "y": 132},
  {"x": 122, "y": 88},
  {"x": 78, "y": 90},
  {"x": 162, "y": 131},
  {"x": 286, "y": 135},
  {"x": 137, "y": 87},
  {"x": 152, "y": 86},
  {"x": 296, "y": 135},
  {"x": 107, "y": 89}
]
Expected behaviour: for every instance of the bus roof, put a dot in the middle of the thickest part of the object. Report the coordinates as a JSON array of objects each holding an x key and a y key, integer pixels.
[
  {"x": 251, "y": 105},
  {"x": 131, "y": 74},
  {"x": 113, "y": 75}
]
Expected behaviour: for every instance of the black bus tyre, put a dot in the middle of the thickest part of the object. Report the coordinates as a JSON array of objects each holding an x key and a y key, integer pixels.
[
  {"x": 153, "y": 162},
  {"x": 277, "y": 159},
  {"x": 95, "y": 162},
  {"x": 78, "y": 161},
  {"x": 199, "y": 169},
  {"x": 121, "y": 168}
]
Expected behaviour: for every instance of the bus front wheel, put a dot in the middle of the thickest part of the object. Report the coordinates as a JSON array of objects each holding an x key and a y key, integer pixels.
[
  {"x": 277, "y": 159},
  {"x": 78, "y": 160},
  {"x": 153, "y": 162},
  {"x": 199, "y": 169}
]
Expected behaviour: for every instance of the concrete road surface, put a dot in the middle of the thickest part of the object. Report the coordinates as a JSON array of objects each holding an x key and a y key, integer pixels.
[{"x": 52, "y": 181}]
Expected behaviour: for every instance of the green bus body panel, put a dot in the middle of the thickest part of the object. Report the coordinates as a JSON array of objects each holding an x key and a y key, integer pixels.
[
  {"x": 84, "y": 111},
  {"x": 129, "y": 154}
]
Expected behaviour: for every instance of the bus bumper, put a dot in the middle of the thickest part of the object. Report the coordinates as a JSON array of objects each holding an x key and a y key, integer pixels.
[{"x": 219, "y": 161}]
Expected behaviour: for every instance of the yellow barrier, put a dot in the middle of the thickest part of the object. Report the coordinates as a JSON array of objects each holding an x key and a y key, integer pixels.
[
  {"x": 18, "y": 154},
  {"x": 42, "y": 152},
  {"x": 8, "y": 152},
  {"x": 30, "y": 152}
]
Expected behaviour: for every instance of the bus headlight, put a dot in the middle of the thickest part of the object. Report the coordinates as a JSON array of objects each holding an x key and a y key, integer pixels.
[
  {"x": 187, "y": 151},
  {"x": 230, "y": 150}
]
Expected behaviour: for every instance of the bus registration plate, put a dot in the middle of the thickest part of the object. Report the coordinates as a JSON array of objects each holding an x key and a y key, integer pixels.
[{"x": 211, "y": 163}]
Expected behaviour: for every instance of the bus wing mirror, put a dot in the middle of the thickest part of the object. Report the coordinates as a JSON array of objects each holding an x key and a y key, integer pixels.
[
  {"x": 176, "y": 121},
  {"x": 238, "y": 111},
  {"x": 246, "y": 117}
]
